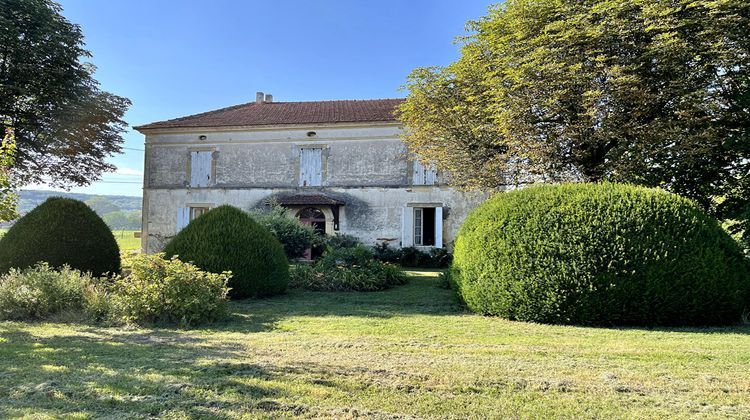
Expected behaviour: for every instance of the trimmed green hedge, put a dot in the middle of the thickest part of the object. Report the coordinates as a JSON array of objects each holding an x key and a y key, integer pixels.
[
  {"x": 602, "y": 254},
  {"x": 61, "y": 231},
  {"x": 228, "y": 239}
]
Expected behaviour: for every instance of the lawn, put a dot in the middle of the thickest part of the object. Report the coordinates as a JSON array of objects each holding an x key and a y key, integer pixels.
[{"x": 407, "y": 352}]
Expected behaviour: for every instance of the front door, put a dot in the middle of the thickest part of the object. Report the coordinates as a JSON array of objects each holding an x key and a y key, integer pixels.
[{"x": 315, "y": 218}]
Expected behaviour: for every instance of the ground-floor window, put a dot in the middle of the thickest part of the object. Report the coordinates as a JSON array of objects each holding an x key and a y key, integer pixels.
[
  {"x": 422, "y": 226},
  {"x": 187, "y": 214}
]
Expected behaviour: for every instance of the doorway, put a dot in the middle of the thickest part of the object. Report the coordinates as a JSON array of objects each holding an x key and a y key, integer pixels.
[{"x": 314, "y": 217}]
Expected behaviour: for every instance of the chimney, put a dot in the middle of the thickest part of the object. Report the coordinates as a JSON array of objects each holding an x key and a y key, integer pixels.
[
  {"x": 269, "y": 97},
  {"x": 258, "y": 97}
]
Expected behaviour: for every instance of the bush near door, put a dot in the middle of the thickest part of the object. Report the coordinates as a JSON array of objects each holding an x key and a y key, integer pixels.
[{"x": 599, "y": 254}]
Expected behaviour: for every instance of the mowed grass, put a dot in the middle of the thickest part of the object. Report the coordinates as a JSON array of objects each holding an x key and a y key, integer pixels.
[
  {"x": 406, "y": 352},
  {"x": 125, "y": 239}
]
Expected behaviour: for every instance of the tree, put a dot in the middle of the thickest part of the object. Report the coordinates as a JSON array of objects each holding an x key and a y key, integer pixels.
[
  {"x": 65, "y": 126},
  {"x": 8, "y": 197},
  {"x": 649, "y": 92}
]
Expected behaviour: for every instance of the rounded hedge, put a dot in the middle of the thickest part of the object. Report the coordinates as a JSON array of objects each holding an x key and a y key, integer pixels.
[
  {"x": 599, "y": 254},
  {"x": 61, "y": 231},
  {"x": 228, "y": 239}
]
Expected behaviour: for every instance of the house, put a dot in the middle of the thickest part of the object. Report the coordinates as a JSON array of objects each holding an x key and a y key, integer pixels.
[{"x": 340, "y": 166}]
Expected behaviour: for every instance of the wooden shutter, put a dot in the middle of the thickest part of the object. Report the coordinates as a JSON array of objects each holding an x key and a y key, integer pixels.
[
  {"x": 407, "y": 227},
  {"x": 438, "y": 227},
  {"x": 418, "y": 174},
  {"x": 200, "y": 168},
  {"x": 183, "y": 217},
  {"x": 311, "y": 167}
]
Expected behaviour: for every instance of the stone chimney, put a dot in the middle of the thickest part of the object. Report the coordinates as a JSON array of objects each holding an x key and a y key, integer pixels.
[
  {"x": 269, "y": 97},
  {"x": 258, "y": 97}
]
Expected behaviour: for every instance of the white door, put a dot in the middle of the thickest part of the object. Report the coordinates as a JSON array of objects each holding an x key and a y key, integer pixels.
[
  {"x": 407, "y": 227},
  {"x": 310, "y": 167},
  {"x": 200, "y": 168}
]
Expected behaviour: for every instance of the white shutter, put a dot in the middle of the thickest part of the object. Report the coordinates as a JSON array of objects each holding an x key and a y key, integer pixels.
[
  {"x": 407, "y": 227},
  {"x": 183, "y": 217},
  {"x": 418, "y": 174},
  {"x": 310, "y": 167},
  {"x": 422, "y": 175},
  {"x": 438, "y": 227},
  {"x": 200, "y": 168}
]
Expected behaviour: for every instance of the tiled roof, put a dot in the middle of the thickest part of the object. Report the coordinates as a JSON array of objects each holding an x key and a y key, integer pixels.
[
  {"x": 278, "y": 113},
  {"x": 309, "y": 199}
]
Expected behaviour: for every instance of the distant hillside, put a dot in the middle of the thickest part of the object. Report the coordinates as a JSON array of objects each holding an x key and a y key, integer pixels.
[
  {"x": 28, "y": 199},
  {"x": 118, "y": 211}
]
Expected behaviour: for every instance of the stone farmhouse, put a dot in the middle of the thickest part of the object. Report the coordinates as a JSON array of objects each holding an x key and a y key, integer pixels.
[{"x": 340, "y": 166}]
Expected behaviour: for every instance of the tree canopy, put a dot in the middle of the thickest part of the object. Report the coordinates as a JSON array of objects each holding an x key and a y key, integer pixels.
[
  {"x": 655, "y": 93},
  {"x": 8, "y": 198},
  {"x": 65, "y": 125}
]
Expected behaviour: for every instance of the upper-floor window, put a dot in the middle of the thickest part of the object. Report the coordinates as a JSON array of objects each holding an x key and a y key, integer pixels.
[
  {"x": 311, "y": 167},
  {"x": 423, "y": 175},
  {"x": 201, "y": 168}
]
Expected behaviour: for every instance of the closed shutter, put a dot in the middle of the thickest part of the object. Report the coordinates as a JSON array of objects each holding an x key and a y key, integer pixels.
[
  {"x": 422, "y": 175},
  {"x": 407, "y": 227},
  {"x": 438, "y": 227},
  {"x": 311, "y": 167},
  {"x": 183, "y": 217},
  {"x": 200, "y": 168}
]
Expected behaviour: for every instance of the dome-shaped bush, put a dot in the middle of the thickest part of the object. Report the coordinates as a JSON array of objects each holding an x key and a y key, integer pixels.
[
  {"x": 602, "y": 254},
  {"x": 61, "y": 231},
  {"x": 228, "y": 239}
]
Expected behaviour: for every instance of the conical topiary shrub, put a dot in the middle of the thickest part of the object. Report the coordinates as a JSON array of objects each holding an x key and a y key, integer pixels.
[
  {"x": 228, "y": 239},
  {"x": 61, "y": 231},
  {"x": 603, "y": 254}
]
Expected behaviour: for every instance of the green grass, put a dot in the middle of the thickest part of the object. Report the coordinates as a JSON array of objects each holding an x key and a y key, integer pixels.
[
  {"x": 125, "y": 239},
  {"x": 408, "y": 351}
]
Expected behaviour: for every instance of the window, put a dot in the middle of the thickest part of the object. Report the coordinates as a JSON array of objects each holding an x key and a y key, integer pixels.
[
  {"x": 422, "y": 175},
  {"x": 201, "y": 168},
  {"x": 310, "y": 167},
  {"x": 422, "y": 226},
  {"x": 197, "y": 211},
  {"x": 186, "y": 215}
]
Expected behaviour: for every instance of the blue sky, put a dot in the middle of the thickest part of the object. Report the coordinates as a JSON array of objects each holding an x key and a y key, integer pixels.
[{"x": 175, "y": 58}]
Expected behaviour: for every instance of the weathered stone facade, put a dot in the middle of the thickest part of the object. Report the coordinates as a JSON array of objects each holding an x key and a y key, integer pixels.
[{"x": 363, "y": 165}]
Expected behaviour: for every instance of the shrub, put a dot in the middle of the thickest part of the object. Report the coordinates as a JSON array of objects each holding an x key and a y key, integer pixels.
[
  {"x": 228, "y": 239},
  {"x": 60, "y": 231},
  {"x": 295, "y": 237},
  {"x": 347, "y": 269},
  {"x": 599, "y": 254},
  {"x": 413, "y": 257},
  {"x": 41, "y": 292},
  {"x": 341, "y": 240},
  {"x": 169, "y": 291}
]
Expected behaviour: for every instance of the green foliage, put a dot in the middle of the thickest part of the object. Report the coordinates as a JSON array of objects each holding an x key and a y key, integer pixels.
[
  {"x": 8, "y": 197},
  {"x": 652, "y": 93},
  {"x": 413, "y": 257},
  {"x": 41, "y": 292},
  {"x": 599, "y": 254},
  {"x": 228, "y": 239},
  {"x": 347, "y": 269},
  {"x": 170, "y": 291},
  {"x": 123, "y": 220},
  {"x": 60, "y": 231},
  {"x": 295, "y": 237},
  {"x": 65, "y": 125},
  {"x": 341, "y": 240}
]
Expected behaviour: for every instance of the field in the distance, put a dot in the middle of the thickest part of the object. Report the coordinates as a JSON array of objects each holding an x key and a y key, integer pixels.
[
  {"x": 407, "y": 352},
  {"x": 125, "y": 239}
]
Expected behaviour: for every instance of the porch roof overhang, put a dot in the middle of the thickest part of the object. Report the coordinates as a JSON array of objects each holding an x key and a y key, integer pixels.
[{"x": 309, "y": 200}]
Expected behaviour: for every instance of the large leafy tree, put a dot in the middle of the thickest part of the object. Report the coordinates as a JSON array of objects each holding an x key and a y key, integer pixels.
[
  {"x": 65, "y": 125},
  {"x": 652, "y": 92},
  {"x": 8, "y": 197}
]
